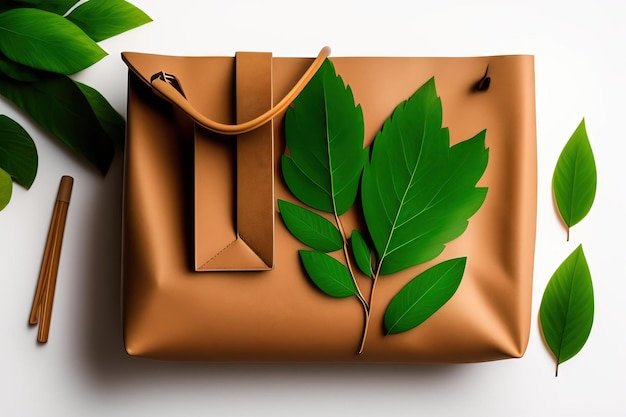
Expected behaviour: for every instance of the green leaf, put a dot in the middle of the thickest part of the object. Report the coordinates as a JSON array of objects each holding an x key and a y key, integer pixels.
[
  {"x": 19, "y": 72},
  {"x": 324, "y": 135},
  {"x": 330, "y": 275},
  {"x": 6, "y": 188},
  {"x": 110, "y": 120},
  {"x": 566, "y": 310},
  {"x": 574, "y": 180},
  {"x": 418, "y": 192},
  {"x": 60, "y": 107},
  {"x": 18, "y": 155},
  {"x": 423, "y": 296},
  {"x": 46, "y": 41},
  {"x": 55, "y": 6},
  {"x": 310, "y": 228},
  {"x": 102, "y": 19},
  {"x": 362, "y": 253}
]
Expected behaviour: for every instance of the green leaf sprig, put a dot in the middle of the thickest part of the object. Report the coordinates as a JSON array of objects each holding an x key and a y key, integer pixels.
[
  {"x": 417, "y": 194},
  {"x": 42, "y": 42}
]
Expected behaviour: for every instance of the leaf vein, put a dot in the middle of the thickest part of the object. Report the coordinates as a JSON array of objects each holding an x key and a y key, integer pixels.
[{"x": 401, "y": 205}]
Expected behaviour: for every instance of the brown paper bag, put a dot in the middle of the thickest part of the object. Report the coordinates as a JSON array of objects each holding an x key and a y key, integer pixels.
[{"x": 210, "y": 272}]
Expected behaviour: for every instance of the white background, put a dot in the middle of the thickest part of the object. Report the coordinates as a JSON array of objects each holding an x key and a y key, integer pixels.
[{"x": 83, "y": 371}]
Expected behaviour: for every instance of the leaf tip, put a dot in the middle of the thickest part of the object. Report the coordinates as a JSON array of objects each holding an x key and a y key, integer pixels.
[{"x": 579, "y": 250}]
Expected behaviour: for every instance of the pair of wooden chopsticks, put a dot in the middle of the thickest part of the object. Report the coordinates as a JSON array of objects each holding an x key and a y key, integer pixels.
[{"x": 41, "y": 311}]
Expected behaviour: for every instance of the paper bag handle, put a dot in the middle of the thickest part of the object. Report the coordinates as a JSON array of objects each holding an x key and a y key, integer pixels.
[{"x": 169, "y": 88}]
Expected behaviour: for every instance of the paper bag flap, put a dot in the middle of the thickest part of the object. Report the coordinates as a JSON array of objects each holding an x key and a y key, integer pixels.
[{"x": 233, "y": 175}]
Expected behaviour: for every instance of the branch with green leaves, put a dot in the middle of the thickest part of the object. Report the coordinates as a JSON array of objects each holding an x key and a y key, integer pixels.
[
  {"x": 42, "y": 42},
  {"x": 416, "y": 191}
]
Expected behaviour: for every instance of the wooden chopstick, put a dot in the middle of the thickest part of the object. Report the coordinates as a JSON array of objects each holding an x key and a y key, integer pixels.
[{"x": 41, "y": 311}]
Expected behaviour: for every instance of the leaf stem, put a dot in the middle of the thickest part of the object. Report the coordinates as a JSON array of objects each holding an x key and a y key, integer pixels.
[
  {"x": 359, "y": 294},
  {"x": 365, "y": 331},
  {"x": 367, "y": 321}
]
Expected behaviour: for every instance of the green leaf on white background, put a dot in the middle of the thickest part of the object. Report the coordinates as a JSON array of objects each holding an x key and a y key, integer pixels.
[
  {"x": 575, "y": 177},
  {"x": 567, "y": 308},
  {"x": 17, "y": 71},
  {"x": 110, "y": 120},
  {"x": 46, "y": 41},
  {"x": 55, "y": 6},
  {"x": 102, "y": 19},
  {"x": 423, "y": 296},
  {"x": 330, "y": 275},
  {"x": 6, "y": 188},
  {"x": 18, "y": 155},
  {"x": 362, "y": 253},
  {"x": 38, "y": 42},
  {"x": 59, "y": 106},
  {"x": 310, "y": 228}
]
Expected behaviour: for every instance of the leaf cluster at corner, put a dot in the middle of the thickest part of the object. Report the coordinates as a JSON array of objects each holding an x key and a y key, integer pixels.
[
  {"x": 44, "y": 39},
  {"x": 41, "y": 43}
]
